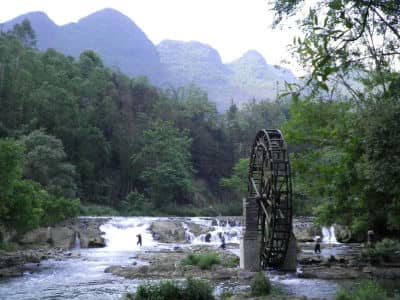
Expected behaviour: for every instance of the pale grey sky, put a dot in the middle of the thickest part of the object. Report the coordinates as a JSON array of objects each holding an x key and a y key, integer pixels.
[{"x": 230, "y": 26}]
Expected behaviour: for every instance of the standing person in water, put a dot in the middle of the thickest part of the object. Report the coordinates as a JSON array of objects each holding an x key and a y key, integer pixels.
[
  {"x": 221, "y": 236},
  {"x": 317, "y": 248},
  {"x": 139, "y": 240}
]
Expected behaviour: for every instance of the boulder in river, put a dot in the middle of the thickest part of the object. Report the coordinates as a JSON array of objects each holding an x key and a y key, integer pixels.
[
  {"x": 168, "y": 231},
  {"x": 342, "y": 233}
]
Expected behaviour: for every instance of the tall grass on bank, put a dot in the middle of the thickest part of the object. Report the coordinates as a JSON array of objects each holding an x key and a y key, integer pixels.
[
  {"x": 367, "y": 290},
  {"x": 203, "y": 260},
  {"x": 191, "y": 289}
]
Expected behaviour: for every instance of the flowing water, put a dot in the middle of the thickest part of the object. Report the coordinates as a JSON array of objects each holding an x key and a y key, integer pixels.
[{"x": 82, "y": 276}]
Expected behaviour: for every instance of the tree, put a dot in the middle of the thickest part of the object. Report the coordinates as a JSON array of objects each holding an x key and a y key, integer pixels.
[
  {"x": 239, "y": 179},
  {"x": 164, "y": 159},
  {"x": 357, "y": 44},
  {"x": 361, "y": 34},
  {"x": 45, "y": 163},
  {"x": 24, "y": 33}
]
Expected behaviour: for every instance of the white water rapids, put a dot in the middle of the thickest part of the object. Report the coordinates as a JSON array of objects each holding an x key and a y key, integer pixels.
[{"x": 82, "y": 275}]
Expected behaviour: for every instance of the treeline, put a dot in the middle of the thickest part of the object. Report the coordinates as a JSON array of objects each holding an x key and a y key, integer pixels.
[
  {"x": 344, "y": 119},
  {"x": 78, "y": 130}
]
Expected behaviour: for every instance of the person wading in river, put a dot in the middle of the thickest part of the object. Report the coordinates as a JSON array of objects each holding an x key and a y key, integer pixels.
[
  {"x": 139, "y": 240},
  {"x": 317, "y": 248}
]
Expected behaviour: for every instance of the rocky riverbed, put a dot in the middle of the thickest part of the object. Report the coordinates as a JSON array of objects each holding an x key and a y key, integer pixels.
[
  {"x": 53, "y": 242},
  {"x": 117, "y": 265}
]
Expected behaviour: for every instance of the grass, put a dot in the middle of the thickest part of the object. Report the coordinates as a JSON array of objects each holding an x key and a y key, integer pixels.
[
  {"x": 260, "y": 285},
  {"x": 368, "y": 290},
  {"x": 203, "y": 260},
  {"x": 231, "y": 262},
  {"x": 191, "y": 289},
  {"x": 8, "y": 247}
]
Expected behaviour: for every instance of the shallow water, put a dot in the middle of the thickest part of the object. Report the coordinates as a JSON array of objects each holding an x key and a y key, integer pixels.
[{"x": 83, "y": 277}]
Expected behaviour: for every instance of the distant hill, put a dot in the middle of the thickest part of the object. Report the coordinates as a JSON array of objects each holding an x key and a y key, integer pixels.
[
  {"x": 115, "y": 37},
  {"x": 123, "y": 45}
]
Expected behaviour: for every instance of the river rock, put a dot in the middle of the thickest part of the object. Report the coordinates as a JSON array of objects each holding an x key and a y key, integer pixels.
[
  {"x": 223, "y": 274},
  {"x": 38, "y": 236},
  {"x": 343, "y": 233},
  {"x": 63, "y": 235},
  {"x": 97, "y": 242},
  {"x": 168, "y": 231},
  {"x": 331, "y": 273},
  {"x": 198, "y": 229},
  {"x": 305, "y": 230}
]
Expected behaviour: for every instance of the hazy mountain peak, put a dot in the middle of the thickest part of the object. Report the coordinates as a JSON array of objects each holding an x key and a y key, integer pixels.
[
  {"x": 36, "y": 18},
  {"x": 193, "y": 49},
  {"x": 253, "y": 57}
]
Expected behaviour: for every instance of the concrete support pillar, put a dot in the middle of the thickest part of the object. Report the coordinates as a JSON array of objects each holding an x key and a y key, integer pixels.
[
  {"x": 290, "y": 263},
  {"x": 250, "y": 242}
]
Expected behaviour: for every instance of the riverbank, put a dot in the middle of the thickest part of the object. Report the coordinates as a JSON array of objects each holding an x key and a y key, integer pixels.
[
  {"x": 53, "y": 242},
  {"x": 122, "y": 265}
]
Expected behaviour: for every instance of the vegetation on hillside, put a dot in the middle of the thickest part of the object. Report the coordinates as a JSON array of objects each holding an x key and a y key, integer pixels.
[
  {"x": 74, "y": 129},
  {"x": 343, "y": 127}
]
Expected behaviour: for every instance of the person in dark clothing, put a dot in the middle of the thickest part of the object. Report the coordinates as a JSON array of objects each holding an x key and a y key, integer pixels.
[
  {"x": 223, "y": 245},
  {"x": 139, "y": 240},
  {"x": 317, "y": 248}
]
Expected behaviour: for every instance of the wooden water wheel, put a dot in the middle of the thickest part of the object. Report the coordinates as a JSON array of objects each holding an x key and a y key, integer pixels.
[{"x": 270, "y": 185}]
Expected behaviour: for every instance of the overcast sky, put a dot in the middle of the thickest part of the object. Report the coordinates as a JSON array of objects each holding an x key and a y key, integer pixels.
[{"x": 230, "y": 26}]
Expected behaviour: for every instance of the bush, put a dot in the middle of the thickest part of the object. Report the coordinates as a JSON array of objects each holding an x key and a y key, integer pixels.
[
  {"x": 203, "y": 260},
  {"x": 8, "y": 247},
  {"x": 231, "y": 262},
  {"x": 197, "y": 289},
  {"x": 367, "y": 290},
  {"x": 136, "y": 204},
  {"x": 57, "y": 209},
  {"x": 382, "y": 250},
  {"x": 192, "y": 289},
  {"x": 164, "y": 290},
  {"x": 260, "y": 285},
  {"x": 226, "y": 295}
]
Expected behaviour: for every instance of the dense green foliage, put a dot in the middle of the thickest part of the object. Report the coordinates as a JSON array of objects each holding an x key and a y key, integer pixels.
[
  {"x": 367, "y": 290},
  {"x": 386, "y": 250},
  {"x": 260, "y": 285},
  {"x": 343, "y": 127},
  {"x": 74, "y": 129},
  {"x": 24, "y": 203},
  {"x": 193, "y": 289}
]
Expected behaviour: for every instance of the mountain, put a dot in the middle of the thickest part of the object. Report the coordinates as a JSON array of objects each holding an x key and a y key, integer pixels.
[
  {"x": 197, "y": 63},
  {"x": 123, "y": 45},
  {"x": 241, "y": 80},
  {"x": 114, "y": 36},
  {"x": 258, "y": 79}
]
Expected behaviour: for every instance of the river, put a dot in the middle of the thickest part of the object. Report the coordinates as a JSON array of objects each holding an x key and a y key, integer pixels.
[{"x": 82, "y": 276}]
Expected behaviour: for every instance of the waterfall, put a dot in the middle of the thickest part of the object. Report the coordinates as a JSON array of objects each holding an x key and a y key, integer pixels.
[
  {"x": 121, "y": 233},
  {"x": 77, "y": 241},
  {"x": 328, "y": 235},
  {"x": 230, "y": 230}
]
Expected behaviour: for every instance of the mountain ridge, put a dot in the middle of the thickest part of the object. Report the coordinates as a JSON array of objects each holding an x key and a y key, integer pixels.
[{"x": 124, "y": 45}]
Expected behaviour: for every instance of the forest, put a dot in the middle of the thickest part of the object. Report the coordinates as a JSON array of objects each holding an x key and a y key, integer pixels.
[{"x": 77, "y": 137}]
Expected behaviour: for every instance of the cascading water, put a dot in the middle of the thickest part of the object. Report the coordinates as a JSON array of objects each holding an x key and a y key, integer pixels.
[
  {"x": 83, "y": 277},
  {"x": 77, "y": 242},
  {"x": 231, "y": 231},
  {"x": 328, "y": 235},
  {"x": 121, "y": 233}
]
